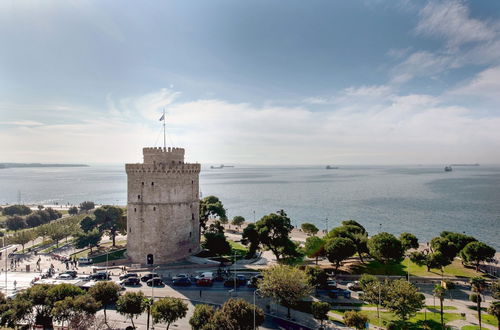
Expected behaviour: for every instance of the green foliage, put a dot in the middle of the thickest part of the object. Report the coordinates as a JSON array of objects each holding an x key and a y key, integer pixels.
[
  {"x": 168, "y": 310},
  {"x": 285, "y": 284},
  {"x": 408, "y": 241},
  {"x": 73, "y": 310},
  {"x": 495, "y": 289},
  {"x": 23, "y": 237},
  {"x": 111, "y": 221},
  {"x": 316, "y": 276},
  {"x": 106, "y": 293},
  {"x": 403, "y": 299},
  {"x": 314, "y": 247},
  {"x": 251, "y": 237},
  {"x": 131, "y": 304},
  {"x": 353, "y": 223},
  {"x": 73, "y": 210},
  {"x": 87, "y": 224},
  {"x": 476, "y": 252},
  {"x": 385, "y": 248},
  {"x": 236, "y": 314},
  {"x": 86, "y": 206},
  {"x": 211, "y": 206},
  {"x": 15, "y": 223},
  {"x": 338, "y": 249},
  {"x": 16, "y": 210},
  {"x": 309, "y": 228},
  {"x": 238, "y": 220},
  {"x": 366, "y": 279},
  {"x": 355, "y": 319},
  {"x": 474, "y": 297},
  {"x": 90, "y": 239},
  {"x": 216, "y": 243},
  {"x": 494, "y": 310},
  {"x": 320, "y": 310},
  {"x": 216, "y": 227},
  {"x": 201, "y": 316},
  {"x": 274, "y": 230},
  {"x": 355, "y": 232}
]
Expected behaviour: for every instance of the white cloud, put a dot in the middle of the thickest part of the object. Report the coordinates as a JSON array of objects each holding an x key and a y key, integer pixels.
[
  {"x": 451, "y": 20},
  {"x": 21, "y": 123},
  {"x": 485, "y": 85}
]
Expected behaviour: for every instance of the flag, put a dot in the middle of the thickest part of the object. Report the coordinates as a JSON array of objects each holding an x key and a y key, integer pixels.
[{"x": 162, "y": 117}]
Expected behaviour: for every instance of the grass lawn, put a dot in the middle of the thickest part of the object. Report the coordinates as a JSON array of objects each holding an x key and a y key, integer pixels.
[
  {"x": 470, "y": 327},
  {"x": 416, "y": 322},
  {"x": 489, "y": 319},
  {"x": 376, "y": 268},
  {"x": 437, "y": 307}
]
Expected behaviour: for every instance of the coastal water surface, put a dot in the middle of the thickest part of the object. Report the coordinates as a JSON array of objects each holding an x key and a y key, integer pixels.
[{"x": 423, "y": 200}]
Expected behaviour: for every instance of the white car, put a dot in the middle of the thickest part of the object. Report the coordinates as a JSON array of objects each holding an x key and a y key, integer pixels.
[
  {"x": 209, "y": 275},
  {"x": 84, "y": 278},
  {"x": 64, "y": 277},
  {"x": 84, "y": 261}
]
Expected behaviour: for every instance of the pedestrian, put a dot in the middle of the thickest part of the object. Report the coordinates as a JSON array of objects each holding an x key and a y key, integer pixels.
[{"x": 200, "y": 293}]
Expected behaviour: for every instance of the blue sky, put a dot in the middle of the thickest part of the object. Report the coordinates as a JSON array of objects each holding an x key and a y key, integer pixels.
[{"x": 254, "y": 82}]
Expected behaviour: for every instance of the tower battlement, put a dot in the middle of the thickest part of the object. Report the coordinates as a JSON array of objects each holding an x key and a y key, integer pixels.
[
  {"x": 153, "y": 168},
  {"x": 158, "y": 155}
]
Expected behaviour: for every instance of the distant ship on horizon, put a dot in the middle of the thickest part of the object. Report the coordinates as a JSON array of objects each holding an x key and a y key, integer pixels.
[
  {"x": 448, "y": 168},
  {"x": 220, "y": 166},
  {"x": 330, "y": 167}
]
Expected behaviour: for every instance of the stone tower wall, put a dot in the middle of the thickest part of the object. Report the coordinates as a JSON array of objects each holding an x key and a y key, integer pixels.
[{"x": 163, "y": 207}]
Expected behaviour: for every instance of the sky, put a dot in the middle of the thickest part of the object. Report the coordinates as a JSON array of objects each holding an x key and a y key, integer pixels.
[{"x": 251, "y": 82}]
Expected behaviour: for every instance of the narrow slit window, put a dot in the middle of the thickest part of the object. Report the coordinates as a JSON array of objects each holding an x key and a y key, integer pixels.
[
  {"x": 154, "y": 208},
  {"x": 143, "y": 183},
  {"x": 192, "y": 216},
  {"x": 138, "y": 196},
  {"x": 152, "y": 183}
]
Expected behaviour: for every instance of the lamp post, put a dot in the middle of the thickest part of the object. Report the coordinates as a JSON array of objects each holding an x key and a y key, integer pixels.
[
  {"x": 326, "y": 224},
  {"x": 234, "y": 270},
  {"x": 6, "y": 259},
  {"x": 152, "y": 295},
  {"x": 253, "y": 216},
  {"x": 254, "y": 308}
]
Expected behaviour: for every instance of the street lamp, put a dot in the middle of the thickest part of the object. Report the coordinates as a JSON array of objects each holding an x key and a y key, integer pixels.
[
  {"x": 6, "y": 259},
  {"x": 254, "y": 308},
  {"x": 152, "y": 296}
]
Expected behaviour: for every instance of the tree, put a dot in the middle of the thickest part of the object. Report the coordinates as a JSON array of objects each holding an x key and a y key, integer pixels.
[
  {"x": 23, "y": 237},
  {"x": 374, "y": 292},
  {"x": 355, "y": 232},
  {"x": 16, "y": 210},
  {"x": 216, "y": 243},
  {"x": 408, "y": 241},
  {"x": 494, "y": 310},
  {"x": 238, "y": 221},
  {"x": 440, "y": 293},
  {"x": 316, "y": 276},
  {"x": 73, "y": 210},
  {"x": 355, "y": 320},
  {"x": 250, "y": 237},
  {"x": 478, "y": 285},
  {"x": 285, "y": 284},
  {"x": 211, "y": 206},
  {"x": 15, "y": 223},
  {"x": 319, "y": 310},
  {"x": 168, "y": 310},
  {"x": 353, "y": 223},
  {"x": 87, "y": 224},
  {"x": 110, "y": 220},
  {"x": 385, "y": 248},
  {"x": 106, "y": 293},
  {"x": 131, "y": 304},
  {"x": 86, "y": 206},
  {"x": 56, "y": 232},
  {"x": 236, "y": 314},
  {"x": 43, "y": 231},
  {"x": 274, "y": 230},
  {"x": 430, "y": 260},
  {"x": 403, "y": 299},
  {"x": 33, "y": 220},
  {"x": 314, "y": 247},
  {"x": 338, "y": 249},
  {"x": 476, "y": 252},
  {"x": 216, "y": 227},
  {"x": 90, "y": 239},
  {"x": 495, "y": 289},
  {"x": 73, "y": 310},
  {"x": 460, "y": 240},
  {"x": 366, "y": 279},
  {"x": 201, "y": 316},
  {"x": 309, "y": 228}
]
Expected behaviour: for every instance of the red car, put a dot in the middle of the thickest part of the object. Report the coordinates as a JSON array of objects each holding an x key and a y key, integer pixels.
[{"x": 205, "y": 282}]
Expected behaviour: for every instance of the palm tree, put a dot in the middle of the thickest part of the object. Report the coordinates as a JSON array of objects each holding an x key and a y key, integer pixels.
[
  {"x": 478, "y": 284},
  {"x": 439, "y": 292}
]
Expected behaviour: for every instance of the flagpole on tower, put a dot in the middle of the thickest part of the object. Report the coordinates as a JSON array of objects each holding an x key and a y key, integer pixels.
[{"x": 164, "y": 137}]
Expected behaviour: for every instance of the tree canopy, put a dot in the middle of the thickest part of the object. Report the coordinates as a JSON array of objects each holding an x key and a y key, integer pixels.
[
  {"x": 250, "y": 237},
  {"x": 476, "y": 252},
  {"x": 110, "y": 220},
  {"x": 131, "y": 304},
  {"x": 385, "y": 248},
  {"x": 309, "y": 228},
  {"x": 238, "y": 220},
  {"x": 211, "y": 206},
  {"x": 86, "y": 206},
  {"x": 314, "y": 247},
  {"x": 339, "y": 249},
  {"x": 274, "y": 230},
  {"x": 168, "y": 310},
  {"x": 408, "y": 241},
  {"x": 16, "y": 210}
]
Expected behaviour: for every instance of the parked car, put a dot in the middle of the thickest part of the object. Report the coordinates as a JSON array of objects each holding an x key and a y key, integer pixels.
[
  {"x": 127, "y": 275},
  {"x": 252, "y": 282},
  {"x": 230, "y": 283},
  {"x": 72, "y": 273},
  {"x": 155, "y": 281},
  {"x": 242, "y": 280},
  {"x": 335, "y": 293},
  {"x": 354, "y": 286},
  {"x": 149, "y": 276},
  {"x": 181, "y": 281},
  {"x": 100, "y": 276},
  {"x": 131, "y": 281},
  {"x": 205, "y": 275},
  {"x": 64, "y": 277},
  {"x": 84, "y": 278},
  {"x": 84, "y": 261},
  {"x": 331, "y": 284},
  {"x": 181, "y": 276},
  {"x": 205, "y": 281}
]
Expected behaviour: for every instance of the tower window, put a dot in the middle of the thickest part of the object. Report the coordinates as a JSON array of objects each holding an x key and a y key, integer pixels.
[
  {"x": 152, "y": 183},
  {"x": 138, "y": 196},
  {"x": 143, "y": 183},
  {"x": 190, "y": 234},
  {"x": 154, "y": 208},
  {"x": 130, "y": 230},
  {"x": 189, "y": 250},
  {"x": 192, "y": 216},
  {"x": 135, "y": 210},
  {"x": 192, "y": 181}
]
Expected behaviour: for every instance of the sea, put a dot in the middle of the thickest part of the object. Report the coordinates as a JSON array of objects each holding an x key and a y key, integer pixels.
[{"x": 423, "y": 200}]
